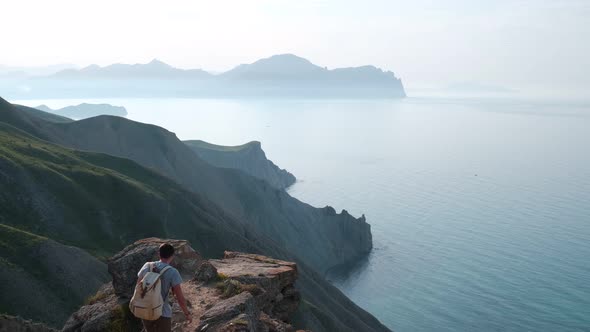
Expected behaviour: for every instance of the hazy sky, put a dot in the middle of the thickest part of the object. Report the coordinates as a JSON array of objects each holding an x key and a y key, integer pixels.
[{"x": 519, "y": 44}]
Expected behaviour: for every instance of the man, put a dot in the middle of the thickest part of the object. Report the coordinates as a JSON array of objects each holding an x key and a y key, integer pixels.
[{"x": 170, "y": 279}]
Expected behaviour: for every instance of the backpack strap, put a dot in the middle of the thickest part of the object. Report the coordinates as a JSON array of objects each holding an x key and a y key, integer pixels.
[
  {"x": 165, "y": 269},
  {"x": 151, "y": 266},
  {"x": 157, "y": 279}
]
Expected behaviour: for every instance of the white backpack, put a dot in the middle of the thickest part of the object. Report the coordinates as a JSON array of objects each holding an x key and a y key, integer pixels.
[{"x": 147, "y": 300}]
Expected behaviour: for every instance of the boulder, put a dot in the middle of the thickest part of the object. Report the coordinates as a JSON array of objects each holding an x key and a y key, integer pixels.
[
  {"x": 275, "y": 325},
  {"x": 240, "y": 308},
  {"x": 97, "y": 314},
  {"x": 124, "y": 266},
  {"x": 206, "y": 272},
  {"x": 276, "y": 279}
]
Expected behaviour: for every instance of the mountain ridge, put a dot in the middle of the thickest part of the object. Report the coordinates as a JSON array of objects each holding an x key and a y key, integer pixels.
[
  {"x": 286, "y": 62},
  {"x": 245, "y": 197},
  {"x": 152, "y": 69}
]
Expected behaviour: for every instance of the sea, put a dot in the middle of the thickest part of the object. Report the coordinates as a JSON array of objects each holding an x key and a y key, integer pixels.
[{"x": 479, "y": 208}]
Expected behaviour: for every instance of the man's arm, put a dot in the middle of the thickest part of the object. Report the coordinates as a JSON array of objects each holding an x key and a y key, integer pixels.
[{"x": 182, "y": 302}]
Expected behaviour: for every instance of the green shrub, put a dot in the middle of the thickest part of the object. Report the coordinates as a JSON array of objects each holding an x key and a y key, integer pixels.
[
  {"x": 231, "y": 287},
  {"x": 222, "y": 276},
  {"x": 95, "y": 298},
  {"x": 123, "y": 320}
]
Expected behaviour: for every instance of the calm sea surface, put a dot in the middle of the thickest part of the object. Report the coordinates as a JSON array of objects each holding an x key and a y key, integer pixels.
[{"x": 480, "y": 209}]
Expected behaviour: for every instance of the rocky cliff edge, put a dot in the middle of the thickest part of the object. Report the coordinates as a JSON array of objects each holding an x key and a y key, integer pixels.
[{"x": 241, "y": 292}]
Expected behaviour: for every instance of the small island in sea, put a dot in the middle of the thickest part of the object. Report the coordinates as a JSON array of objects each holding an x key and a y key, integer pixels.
[{"x": 85, "y": 110}]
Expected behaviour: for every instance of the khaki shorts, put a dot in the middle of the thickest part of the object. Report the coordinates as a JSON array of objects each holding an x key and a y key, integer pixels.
[{"x": 162, "y": 324}]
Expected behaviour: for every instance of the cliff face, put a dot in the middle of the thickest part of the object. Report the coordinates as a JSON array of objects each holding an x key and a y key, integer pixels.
[
  {"x": 320, "y": 237},
  {"x": 249, "y": 158},
  {"x": 241, "y": 292}
]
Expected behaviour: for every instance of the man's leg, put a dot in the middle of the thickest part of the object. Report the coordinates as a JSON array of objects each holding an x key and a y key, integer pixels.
[
  {"x": 150, "y": 325},
  {"x": 164, "y": 324}
]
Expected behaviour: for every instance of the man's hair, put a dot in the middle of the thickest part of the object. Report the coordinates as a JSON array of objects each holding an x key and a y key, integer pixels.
[{"x": 166, "y": 250}]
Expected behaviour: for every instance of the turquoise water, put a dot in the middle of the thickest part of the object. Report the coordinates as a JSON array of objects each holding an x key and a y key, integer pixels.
[{"x": 480, "y": 209}]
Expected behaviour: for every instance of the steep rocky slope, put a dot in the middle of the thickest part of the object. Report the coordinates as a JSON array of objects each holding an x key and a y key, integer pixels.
[
  {"x": 248, "y": 157},
  {"x": 42, "y": 279}
]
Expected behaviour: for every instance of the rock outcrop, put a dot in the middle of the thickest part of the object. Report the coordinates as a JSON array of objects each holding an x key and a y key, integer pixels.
[
  {"x": 247, "y": 293},
  {"x": 249, "y": 158},
  {"x": 270, "y": 280},
  {"x": 124, "y": 265},
  {"x": 104, "y": 312}
]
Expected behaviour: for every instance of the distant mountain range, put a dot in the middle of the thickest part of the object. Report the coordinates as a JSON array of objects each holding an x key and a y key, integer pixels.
[
  {"x": 284, "y": 75},
  {"x": 276, "y": 68}
]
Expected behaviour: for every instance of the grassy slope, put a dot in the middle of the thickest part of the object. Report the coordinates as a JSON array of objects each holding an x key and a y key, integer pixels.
[
  {"x": 50, "y": 190},
  {"x": 29, "y": 284},
  {"x": 15, "y": 243},
  {"x": 72, "y": 177}
]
